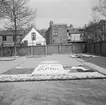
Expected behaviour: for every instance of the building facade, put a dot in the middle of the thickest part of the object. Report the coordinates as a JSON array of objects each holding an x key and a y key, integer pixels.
[
  {"x": 33, "y": 38},
  {"x": 62, "y": 34},
  {"x": 74, "y": 35},
  {"x": 7, "y": 37},
  {"x": 56, "y": 34}
]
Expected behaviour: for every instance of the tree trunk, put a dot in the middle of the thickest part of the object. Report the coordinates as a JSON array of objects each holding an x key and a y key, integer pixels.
[
  {"x": 15, "y": 30},
  {"x": 15, "y": 38}
]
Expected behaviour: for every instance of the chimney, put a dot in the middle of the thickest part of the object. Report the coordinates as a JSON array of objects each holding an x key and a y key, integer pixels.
[{"x": 51, "y": 23}]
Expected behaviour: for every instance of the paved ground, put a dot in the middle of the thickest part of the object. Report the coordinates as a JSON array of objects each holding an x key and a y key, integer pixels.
[
  {"x": 65, "y": 60},
  {"x": 77, "y": 92},
  {"x": 73, "y": 92},
  {"x": 33, "y": 62},
  {"x": 98, "y": 63},
  {"x": 6, "y": 65}
]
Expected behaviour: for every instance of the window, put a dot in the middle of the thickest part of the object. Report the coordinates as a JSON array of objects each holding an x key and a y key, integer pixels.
[
  {"x": 33, "y": 35},
  {"x": 53, "y": 41},
  {"x": 67, "y": 30},
  {"x": 69, "y": 36},
  {"x": 4, "y": 38},
  {"x": 55, "y": 32},
  {"x": 38, "y": 43}
]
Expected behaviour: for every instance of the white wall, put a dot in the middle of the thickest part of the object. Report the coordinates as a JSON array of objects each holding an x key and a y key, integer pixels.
[
  {"x": 75, "y": 37},
  {"x": 39, "y": 38}
]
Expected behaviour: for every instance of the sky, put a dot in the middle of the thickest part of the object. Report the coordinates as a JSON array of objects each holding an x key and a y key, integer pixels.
[{"x": 76, "y": 12}]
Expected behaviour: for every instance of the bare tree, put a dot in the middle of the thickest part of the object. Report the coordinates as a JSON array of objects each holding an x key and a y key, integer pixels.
[
  {"x": 95, "y": 17},
  {"x": 101, "y": 7},
  {"x": 18, "y": 15}
]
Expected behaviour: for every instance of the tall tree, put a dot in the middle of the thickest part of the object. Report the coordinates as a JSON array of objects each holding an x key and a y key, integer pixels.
[
  {"x": 18, "y": 15},
  {"x": 101, "y": 7},
  {"x": 95, "y": 17}
]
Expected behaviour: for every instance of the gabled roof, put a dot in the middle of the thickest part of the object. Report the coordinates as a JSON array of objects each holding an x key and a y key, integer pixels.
[{"x": 28, "y": 30}]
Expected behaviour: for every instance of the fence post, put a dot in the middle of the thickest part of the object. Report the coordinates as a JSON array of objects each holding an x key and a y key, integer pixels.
[
  {"x": 101, "y": 48},
  {"x": 89, "y": 47},
  {"x": 30, "y": 49},
  {"x": 61, "y": 48},
  {"x": 94, "y": 47},
  {"x": 58, "y": 50},
  {"x": 72, "y": 47},
  {"x": 46, "y": 49}
]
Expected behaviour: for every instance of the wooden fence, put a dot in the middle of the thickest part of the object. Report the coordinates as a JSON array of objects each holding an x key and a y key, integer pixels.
[
  {"x": 98, "y": 48},
  {"x": 43, "y": 50}
]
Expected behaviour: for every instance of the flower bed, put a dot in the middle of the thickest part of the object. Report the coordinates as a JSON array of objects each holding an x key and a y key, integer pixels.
[
  {"x": 81, "y": 56},
  {"x": 64, "y": 76},
  {"x": 49, "y": 72}
]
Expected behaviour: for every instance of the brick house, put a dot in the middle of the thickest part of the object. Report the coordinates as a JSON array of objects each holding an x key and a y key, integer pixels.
[
  {"x": 62, "y": 34},
  {"x": 7, "y": 37},
  {"x": 56, "y": 33}
]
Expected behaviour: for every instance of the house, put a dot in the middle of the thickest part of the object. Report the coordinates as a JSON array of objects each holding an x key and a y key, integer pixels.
[
  {"x": 7, "y": 37},
  {"x": 42, "y": 32},
  {"x": 74, "y": 35},
  {"x": 56, "y": 33},
  {"x": 63, "y": 34},
  {"x": 32, "y": 37}
]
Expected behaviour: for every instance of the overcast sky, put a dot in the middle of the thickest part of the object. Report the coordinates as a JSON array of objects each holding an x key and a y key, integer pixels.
[{"x": 76, "y": 12}]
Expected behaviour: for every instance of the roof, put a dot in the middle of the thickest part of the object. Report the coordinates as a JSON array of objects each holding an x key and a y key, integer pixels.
[
  {"x": 102, "y": 21},
  {"x": 73, "y": 31},
  {"x": 60, "y": 24},
  {"x": 42, "y": 32},
  {"x": 10, "y": 33},
  {"x": 28, "y": 30}
]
